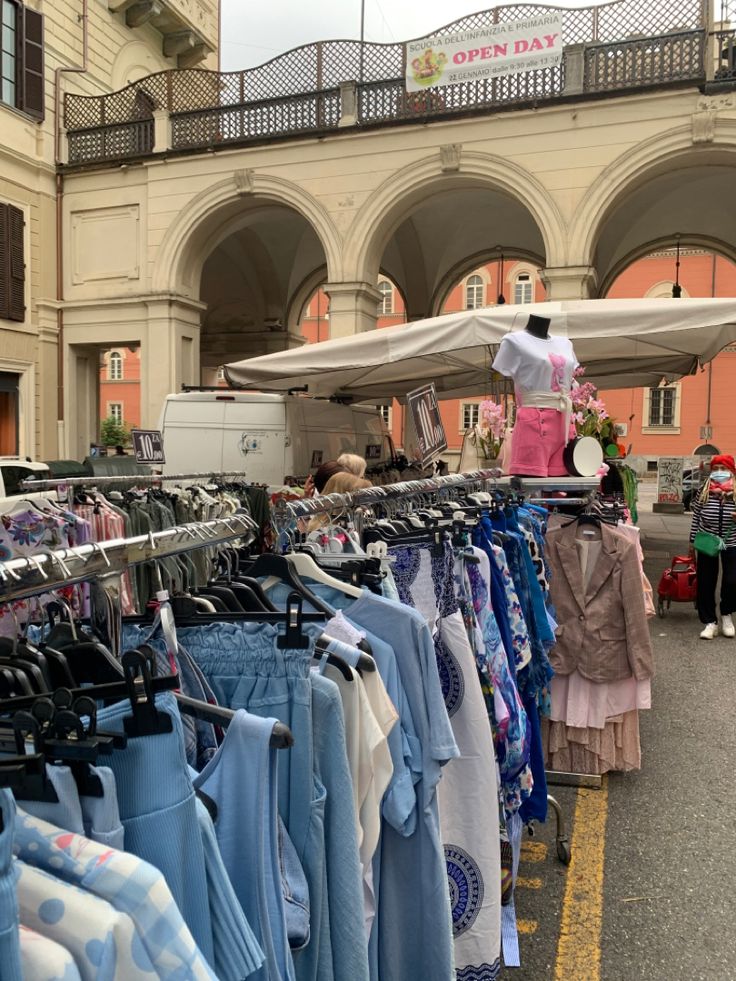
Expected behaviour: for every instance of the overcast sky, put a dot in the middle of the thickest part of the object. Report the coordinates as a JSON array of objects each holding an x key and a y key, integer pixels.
[{"x": 254, "y": 31}]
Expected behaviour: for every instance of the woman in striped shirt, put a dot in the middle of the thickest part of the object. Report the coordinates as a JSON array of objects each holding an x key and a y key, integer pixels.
[{"x": 714, "y": 510}]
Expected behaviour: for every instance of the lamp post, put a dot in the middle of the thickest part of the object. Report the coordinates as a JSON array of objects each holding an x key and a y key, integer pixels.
[{"x": 676, "y": 288}]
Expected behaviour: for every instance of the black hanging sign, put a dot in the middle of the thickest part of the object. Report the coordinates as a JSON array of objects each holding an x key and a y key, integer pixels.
[
  {"x": 427, "y": 422},
  {"x": 148, "y": 446}
]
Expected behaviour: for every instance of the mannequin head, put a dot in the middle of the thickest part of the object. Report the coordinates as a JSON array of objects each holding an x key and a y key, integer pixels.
[{"x": 538, "y": 326}]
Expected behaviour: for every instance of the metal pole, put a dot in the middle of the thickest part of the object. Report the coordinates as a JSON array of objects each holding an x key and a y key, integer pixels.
[
  {"x": 710, "y": 363},
  {"x": 362, "y": 40}
]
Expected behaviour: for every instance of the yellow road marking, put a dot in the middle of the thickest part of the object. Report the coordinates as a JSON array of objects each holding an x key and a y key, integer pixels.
[
  {"x": 527, "y": 926},
  {"x": 578, "y": 949},
  {"x": 526, "y": 883},
  {"x": 533, "y": 851}
]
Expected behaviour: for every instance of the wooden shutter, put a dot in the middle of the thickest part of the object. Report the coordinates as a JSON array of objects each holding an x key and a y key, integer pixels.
[
  {"x": 32, "y": 64},
  {"x": 16, "y": 264}
]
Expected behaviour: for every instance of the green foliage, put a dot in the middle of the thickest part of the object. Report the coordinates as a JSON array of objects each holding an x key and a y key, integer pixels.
[{"x": 114, "y": 433}]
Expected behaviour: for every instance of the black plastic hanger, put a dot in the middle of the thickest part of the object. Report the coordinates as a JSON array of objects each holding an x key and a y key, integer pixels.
[
  {"x": 268, "y": 564},
  {"x": 259, "y": 591},
  {"x": 320, "y": 651},
  {"x": 108, "y": 692}
]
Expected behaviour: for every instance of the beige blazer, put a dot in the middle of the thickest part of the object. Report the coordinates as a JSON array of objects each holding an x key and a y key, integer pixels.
[{"x": 603, "y": 630}]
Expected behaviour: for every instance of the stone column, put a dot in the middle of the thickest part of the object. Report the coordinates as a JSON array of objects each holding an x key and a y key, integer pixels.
[
  {"x": 50, "y": 439},
  {"x": 161, "y": 130},
  {"x": 353, "y": 307},
  {"x": 81, "y": 400},
  {"x": 169, "y": 353},
  {"x": 570, "y": 282}
]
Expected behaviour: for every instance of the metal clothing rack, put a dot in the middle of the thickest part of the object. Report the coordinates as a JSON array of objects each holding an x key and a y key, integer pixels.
[
  {"x": 129, "y": 480},
  {"x": 44, "y": 572},
  {"x": 285, "y": 511}
]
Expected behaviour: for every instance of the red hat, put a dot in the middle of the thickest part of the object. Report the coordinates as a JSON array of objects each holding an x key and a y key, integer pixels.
[{"x": 723, "y": 460}]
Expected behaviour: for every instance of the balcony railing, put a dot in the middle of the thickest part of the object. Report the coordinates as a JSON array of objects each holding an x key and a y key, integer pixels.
[
  {"x": 313, "y": 90},
  {"x": 726, "y": 56},
  {"x": 292, "y": 115},
  {"x": 380, "y": 103},
  {"x": 645, "y": 62}
]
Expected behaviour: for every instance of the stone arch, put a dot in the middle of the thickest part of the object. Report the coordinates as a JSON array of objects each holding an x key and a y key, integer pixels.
[
  {"x": 134, "y": 61},
  {"x": 200, "y": 226},
  {"x": 416, "y": 183},
  {"x": 728, "y": 251},
  {"x": 633, "y": 170},
  {"x": 302, "y": 295}
]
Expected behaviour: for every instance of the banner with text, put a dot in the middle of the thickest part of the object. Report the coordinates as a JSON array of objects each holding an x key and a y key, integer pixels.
[{"x": 488, "y": 52}]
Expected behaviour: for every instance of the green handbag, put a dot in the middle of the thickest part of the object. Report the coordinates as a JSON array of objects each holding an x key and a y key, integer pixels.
[{"x": 708, "y": 544}]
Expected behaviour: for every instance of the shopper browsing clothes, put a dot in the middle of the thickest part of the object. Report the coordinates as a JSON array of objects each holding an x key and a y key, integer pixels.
[{"x": 713, "y": 527}]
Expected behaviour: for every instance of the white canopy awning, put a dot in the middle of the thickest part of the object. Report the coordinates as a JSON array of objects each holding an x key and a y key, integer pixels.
[{"x": 622, "y": 343}]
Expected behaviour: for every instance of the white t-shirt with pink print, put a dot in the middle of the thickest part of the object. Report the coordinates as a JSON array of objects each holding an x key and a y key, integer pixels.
[{"x": 536, "y": 364}]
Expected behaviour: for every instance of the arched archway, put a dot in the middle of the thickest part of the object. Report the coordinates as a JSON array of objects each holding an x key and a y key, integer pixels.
[
  {"x": 211, "y": 215},
  {"x": 424, "y": 223},
  {"x": 248, "y": 248},
  {"x": 667, "y": 187}
]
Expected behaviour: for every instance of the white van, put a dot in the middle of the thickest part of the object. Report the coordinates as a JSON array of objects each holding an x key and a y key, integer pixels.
[{"x": 267, "y": 437}]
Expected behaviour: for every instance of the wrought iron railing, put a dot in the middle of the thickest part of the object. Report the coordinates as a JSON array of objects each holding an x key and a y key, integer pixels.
[
  {"x": 726, "y": 57},
  {"x": 628, "y": 44},
  {"x": 117, "y": 142},
  {"x": 287, "y": 116},
  {"x": 385, "y": 102},
  {"x": 645, "y": 61}
]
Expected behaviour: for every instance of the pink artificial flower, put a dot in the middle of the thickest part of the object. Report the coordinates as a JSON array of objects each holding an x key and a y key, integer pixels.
[{"x": 583, "y": 394}]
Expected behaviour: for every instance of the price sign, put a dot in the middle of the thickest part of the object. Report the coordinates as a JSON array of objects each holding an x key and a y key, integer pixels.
[
  {"x": 669, "y": 479},
  {"x": 148, "y": 446},
  {"x": 427, "y": 422}
]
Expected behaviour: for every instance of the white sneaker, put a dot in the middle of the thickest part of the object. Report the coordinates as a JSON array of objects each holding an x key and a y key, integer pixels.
[
  {"x": 727, "y": 627},
  {"x": 710, "y": 630}
]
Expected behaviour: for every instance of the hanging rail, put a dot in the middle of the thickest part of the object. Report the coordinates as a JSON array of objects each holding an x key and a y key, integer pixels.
[
  {"x": 285, "y": 511},
  {"x": 43, "y": 572},
  {"x": 131, "y": 480}
]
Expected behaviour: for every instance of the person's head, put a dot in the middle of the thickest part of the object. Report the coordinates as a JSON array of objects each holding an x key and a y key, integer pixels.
[
  {"x": 352, "y": 463},
  {"x": 323, "y": 473},
  {"x": 722, "y": 469},
  {"x": 722, "y": 463},
  {"x": 119, "y": 451},
  {"x": 345, "y": 483},
  {"x": 339, "y": 483}
]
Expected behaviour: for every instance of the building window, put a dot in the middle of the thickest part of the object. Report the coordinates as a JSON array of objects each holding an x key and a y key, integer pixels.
[
  {"x": 115, "y": 411},
  {"x": 115, "y": 366},
  {"x": 385, "y": 411},
  {"x": 386, "y": 303},
  {"x": 9, "y": 53},
  {"x": 470, "y": 415},
  {"x": 12, "y": 264},
  {"x": 662, "y": 406},
  {"x": 21, "y": 58},
  {"x": 523, "y": 289},
  {"x": 474, "y": 293}
]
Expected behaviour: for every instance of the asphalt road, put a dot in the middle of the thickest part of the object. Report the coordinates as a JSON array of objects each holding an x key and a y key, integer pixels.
[{"x": 663, "y": 906}]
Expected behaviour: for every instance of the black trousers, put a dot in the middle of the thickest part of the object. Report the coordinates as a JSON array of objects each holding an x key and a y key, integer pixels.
[{"x": 708, "y": 568}]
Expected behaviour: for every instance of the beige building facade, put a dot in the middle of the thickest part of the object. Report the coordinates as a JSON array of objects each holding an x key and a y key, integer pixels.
[
  {"x": 200, "y": 211},
  {"x": 51, "y": 47}
]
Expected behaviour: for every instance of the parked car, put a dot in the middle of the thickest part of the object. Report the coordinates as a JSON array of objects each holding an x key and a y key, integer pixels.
[{"x": 14, "y": 469}]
